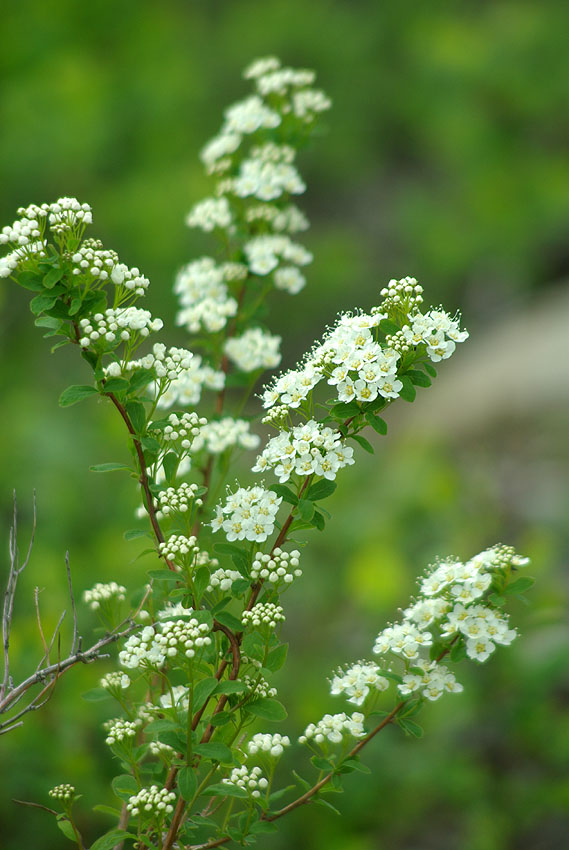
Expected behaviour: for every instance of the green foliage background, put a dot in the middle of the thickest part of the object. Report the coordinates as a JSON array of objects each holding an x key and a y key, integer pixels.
[{"x": 445, "y": 158}]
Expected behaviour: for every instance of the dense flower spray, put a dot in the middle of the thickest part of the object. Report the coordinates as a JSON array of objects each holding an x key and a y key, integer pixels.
[{"x": 194, "y": 679}]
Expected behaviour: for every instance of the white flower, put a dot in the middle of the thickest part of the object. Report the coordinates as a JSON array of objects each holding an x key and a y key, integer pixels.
[
  {"x": 248, "y": 514},
  {"x": 266, "y": 743},
  {"x": 333, "y": 727},
  {"x": 254, "y": 350},
  {"x": 209, "y": 214},
  {"x": 357, "y": 681}
]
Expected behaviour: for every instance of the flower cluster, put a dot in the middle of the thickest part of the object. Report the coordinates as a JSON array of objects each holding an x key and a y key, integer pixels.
[
  {"x": 221, "y": 434},
  {"x": 306, "y": 449},
  {"x": 103, "y": 592},
  {"x": 67, "y": 214},
  {"x": 430, "y": 679},
  {"x": 115, "y": 681},
  {"x": 268, "y": 174},
  {"x": 153, "y": 800},
  {"x": 248, "y": 514},
  {"x": 156, "y": 644},
  {"x": 271, "y": 78},
  {"x": 263, "y": 614},
  {"x": 353, "y": 360},
  {"x": 254, "y": 350},
  {"x": 265, "y": 253},
  {"x": 209, "y": 214},
  {"x": 358, "y": 680},
  {"x": 333, "y": 727},
  {"x": 266, "y": 743},
  {"x": 167, "y": 364},
  {"x": 124, "y": 324},
  {"x": 452, "y": 604},
  {"x": 158, "y": 748},
  {"x": 186, "y": 390},
  {"x": 26, "y": 234},
  {"x": 63, "y": 792},
  {"x": 120, "y": 730},
  {"x": 180, "y": 548},
  {"x": 259, "y": 687},
  {"x": 172, "y": 499},
  {"x": 251, "y": 781},
  {"x": 183, "y": 429},
  {"x": 203, "y": 295},
  {"x": 276, "y": 567},
  {"x": 438, "y": 331},
  {"x": 223, "y": 579}
]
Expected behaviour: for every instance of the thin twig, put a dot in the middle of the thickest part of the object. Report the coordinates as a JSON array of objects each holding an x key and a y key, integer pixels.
[
  {"x": 75, "y": 641},
  {"x": 14, "y": 573}
]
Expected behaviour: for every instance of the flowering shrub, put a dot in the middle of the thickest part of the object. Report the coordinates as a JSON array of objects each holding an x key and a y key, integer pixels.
[{"x": 193, "y": 683}]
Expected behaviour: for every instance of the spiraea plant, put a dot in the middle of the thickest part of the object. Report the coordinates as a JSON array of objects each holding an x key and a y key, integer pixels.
[{"x": 194, "y": 688}]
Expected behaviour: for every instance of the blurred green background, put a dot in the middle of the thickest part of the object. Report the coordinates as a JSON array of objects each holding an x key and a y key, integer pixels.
[{"x": 445, "y": 157}]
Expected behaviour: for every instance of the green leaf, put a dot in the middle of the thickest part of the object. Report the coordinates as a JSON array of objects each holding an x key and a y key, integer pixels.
[
  {"x": 48, "y": 322},
  {"x": 227, "y": 548},
  {"x": 263, "y": 827},
  {"x": 124, "y": 786},
  {"x": 115, "y": 385},
  {"x": 302, "y": 782},
  {"x": 201, "y": 581},
  {"x": 267, "y": 709},
  {"x": 253, "y": 645},
  {"x": 74, "y": 305},
  {"x": 419, "y": 378},
  {"x": 386, "y": 326},
  {"x": 170, "y": 465},
  {"x": 110, "y": 840},
  {"x": 458, "y": 652},
  {"x": 135, "y": 533},
  {"x": 326, "y": 805},
  {"x": 306, "y": 509},
  {"x": 285, "y": 493},
  {"x": 430, "y": 369},
  {"x": 30, "y": 280},
  {"x": 318, "y": 521},
  {"x": 107, "y": 810},
  {"x": 96, "y": 695},
  {"x": 150, "y": 445},
  {"x": 520, "y": 585},
  {"x": 64, "y": 825},
  {"x": 355, "y": 764},
  {"x": 109, "y": 467},
  {"x": 53, "y": 277},
  {"x": 187, "y": 783},
  {"x": 164, "y": 575},
  {"x": 387, "y": 674},
  {"x": 214, "y": 751},
  {"x": 365, "y": 444},
  {"x": 140, "y": 379},
  {"x": 42, "y": 302},
  {"x": 377, "y": 423},
  {"x": 230, "y": 687},
  {"x": 202, "y": 691},
  {"x": 222, "y": 790},
  {"x": 408, "y": 391},
  {"x": 239, "y": 586},
  {"x": 74, "y": 394},
  {"x": 320, "y": 490},
  {"x": 137, "y": 415},
  {"x": 277, "y": 657},
  {"x": 229, "y": 620},
  {"x": 322, "y": 764},
  {"x": 220, "y": 719},
  {"x": 410, "y": 727}
]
